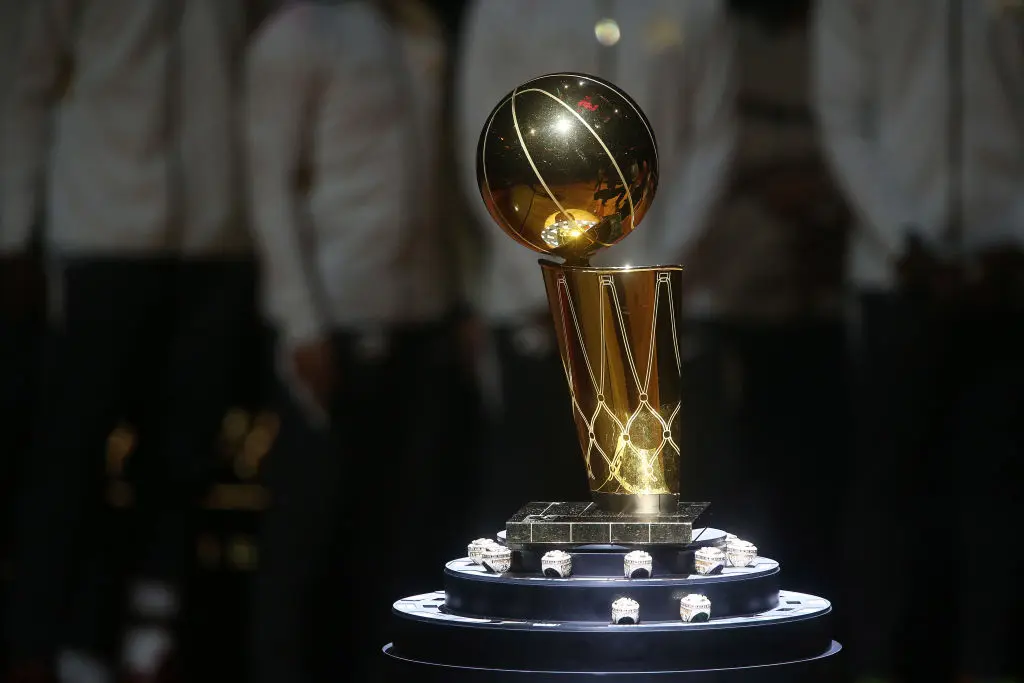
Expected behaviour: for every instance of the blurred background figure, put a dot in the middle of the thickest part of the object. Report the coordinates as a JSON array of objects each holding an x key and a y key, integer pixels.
[
  {"x": 764, "y": 372},
  {"x": 119, "y": 132},
  {"x": 673, "y": 58},
  {"x": 922, "y": 109},
  {"x": 344, "y": 131},
  {"x": 21, "y": 309}
]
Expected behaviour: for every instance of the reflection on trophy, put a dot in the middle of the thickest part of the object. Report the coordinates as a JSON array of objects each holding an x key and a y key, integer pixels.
[{"x": 567, "y": 165}]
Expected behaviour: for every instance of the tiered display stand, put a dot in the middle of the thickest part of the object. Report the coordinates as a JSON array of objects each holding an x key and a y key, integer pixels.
[{"x": 523, "y": 626}]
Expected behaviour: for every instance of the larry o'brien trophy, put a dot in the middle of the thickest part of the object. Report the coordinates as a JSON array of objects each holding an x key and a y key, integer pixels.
[
  {"x": 567, "y": 166},
  {"x": 622, "y": 586}
]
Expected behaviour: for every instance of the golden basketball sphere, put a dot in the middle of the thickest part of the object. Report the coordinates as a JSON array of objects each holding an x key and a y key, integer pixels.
[{"x": 567, "y": 165}]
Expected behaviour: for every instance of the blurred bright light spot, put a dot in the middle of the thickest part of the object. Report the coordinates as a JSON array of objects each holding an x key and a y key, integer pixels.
[
  {"x": 607, "y": 32},
  {"x": 563, "y": 125}
]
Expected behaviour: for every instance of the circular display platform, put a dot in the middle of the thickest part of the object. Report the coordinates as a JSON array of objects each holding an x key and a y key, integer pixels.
[
  {"x": 473, "y": 591},
  {"x": 523, "y": 626},
  {"x": 797, "y": 629}
]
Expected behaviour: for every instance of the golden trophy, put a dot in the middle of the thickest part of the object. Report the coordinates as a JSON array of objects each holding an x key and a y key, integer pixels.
[{"x": 567, "y": 165}]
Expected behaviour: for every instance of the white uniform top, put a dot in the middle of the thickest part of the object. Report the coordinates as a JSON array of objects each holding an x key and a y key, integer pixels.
[
  {"x": 343, "y": 119},
  {"x": 922, "y": 109},
  {"x": 12, "y": 17},
  {"x": 121, "y": 128},
  {"x": 673, "y": 57}
]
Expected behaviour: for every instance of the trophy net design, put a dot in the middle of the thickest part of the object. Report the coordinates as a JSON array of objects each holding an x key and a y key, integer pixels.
[
  {"x": 617, "y": 336},
  {"x": 567, "y": 166}
]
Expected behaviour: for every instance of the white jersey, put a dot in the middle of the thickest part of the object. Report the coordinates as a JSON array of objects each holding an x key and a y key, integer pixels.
[
  {"x": 120, "y": 128},
  {"x": 922, "y": 110},
  {"x": 343, "y": 138}
]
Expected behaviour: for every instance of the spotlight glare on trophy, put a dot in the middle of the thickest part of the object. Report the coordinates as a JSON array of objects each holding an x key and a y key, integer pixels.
[{"x": 567, "y": 165}]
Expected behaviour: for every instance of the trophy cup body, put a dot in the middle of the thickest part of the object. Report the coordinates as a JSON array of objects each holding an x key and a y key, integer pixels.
[{"x": 618, "y": 338}]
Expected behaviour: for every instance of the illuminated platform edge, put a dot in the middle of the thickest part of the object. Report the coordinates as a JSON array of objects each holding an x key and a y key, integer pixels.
[{"x": 796, "y": 630}]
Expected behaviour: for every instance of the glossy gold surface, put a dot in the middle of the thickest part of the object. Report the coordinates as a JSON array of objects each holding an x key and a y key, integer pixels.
[
  {"x": 567, "y": 164},
  {"x": 618, "y": 338}
]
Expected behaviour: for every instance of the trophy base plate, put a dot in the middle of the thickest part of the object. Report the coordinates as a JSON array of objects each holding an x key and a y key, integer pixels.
[{"x": 567, "y": 525}]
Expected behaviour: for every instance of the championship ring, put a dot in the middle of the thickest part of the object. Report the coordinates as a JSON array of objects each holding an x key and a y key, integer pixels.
[
  {"x": 625, "y": 611},
  {"x": 708, "y": 560},
  {"x": 695, "y": 608},
  {"x": 740, "y": 553},
  {"x": 556, "y": 564},
  {"x": 477, "y": 548},
  {"x": 637, "y": 565},
  {"x": 496, "y": 559}
]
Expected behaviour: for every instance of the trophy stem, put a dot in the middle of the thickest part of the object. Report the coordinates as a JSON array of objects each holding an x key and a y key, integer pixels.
[{"x": 577, "y": 261}]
